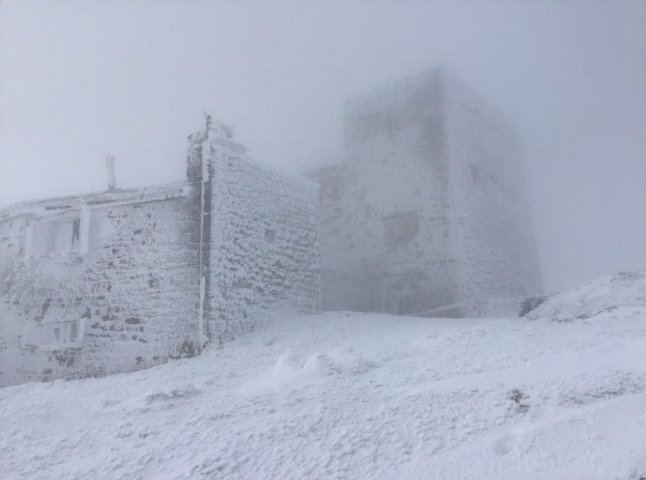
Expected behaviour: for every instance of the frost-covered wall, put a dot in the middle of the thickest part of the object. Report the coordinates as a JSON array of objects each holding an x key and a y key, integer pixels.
[
  {"x": 401, "y": 208},
  {"x": 115, "y": 292},
  {"x": 263, "y": 237},
  {"x": 121, "y": 280},
  {"x": 497, "y": 249},
  {"x": 391, "y": 210}
]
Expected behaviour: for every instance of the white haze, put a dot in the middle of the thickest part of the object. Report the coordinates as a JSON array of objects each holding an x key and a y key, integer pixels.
[{"x": 80, "y": 80}]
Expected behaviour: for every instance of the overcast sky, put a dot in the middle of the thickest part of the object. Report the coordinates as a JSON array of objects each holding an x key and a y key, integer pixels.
[{"x": 80, "y": 80}]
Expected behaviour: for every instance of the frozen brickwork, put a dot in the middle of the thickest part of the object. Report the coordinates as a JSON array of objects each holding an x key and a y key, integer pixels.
[
  {"x": 428, "y": 209},
  {"x": 264, "y": 249},
  {"x": 121, "y": 280},
  {"x": 98, "y": 284}
]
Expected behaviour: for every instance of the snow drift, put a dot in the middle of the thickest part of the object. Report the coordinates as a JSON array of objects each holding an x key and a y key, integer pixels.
[
  {"x": 345, "y": 395},
  {"x": 624, "y": 290}
]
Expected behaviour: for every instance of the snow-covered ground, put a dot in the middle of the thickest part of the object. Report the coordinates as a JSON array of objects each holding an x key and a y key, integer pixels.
[{"x": 353, "y": 396}]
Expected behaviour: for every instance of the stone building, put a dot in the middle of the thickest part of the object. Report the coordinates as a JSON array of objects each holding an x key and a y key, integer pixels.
[
  {"x": 125, "y": 279},
  {"x": 428, "y": 213}
]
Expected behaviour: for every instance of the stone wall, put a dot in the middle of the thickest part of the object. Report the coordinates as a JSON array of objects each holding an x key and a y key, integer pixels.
[
  {"x": 395, "y": 168},
  {"x": 128, "y": 301},
  {"x": 406, "y": 207},
  {"x": 264, "y": 247},
  {"x": 498, "y": 256},
  {"x": 121, "y": 280}
]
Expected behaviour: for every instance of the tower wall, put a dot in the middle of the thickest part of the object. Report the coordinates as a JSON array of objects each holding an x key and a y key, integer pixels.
[
  {"x": 429, "y": 207},
  {"x": 494, "y": 230},
  {"x": 393, "y": 212}
]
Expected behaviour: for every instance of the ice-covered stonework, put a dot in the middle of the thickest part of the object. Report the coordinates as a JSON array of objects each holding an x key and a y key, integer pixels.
[
  {"x": 125, "y": 279},
  {"x": 428, "y": 212},
  {"x": 262, "y": 239}
]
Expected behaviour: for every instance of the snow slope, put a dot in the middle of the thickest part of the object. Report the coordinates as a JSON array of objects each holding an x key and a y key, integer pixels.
[
  {"x": 624, "y": 289},
  {"x": 345, "y": 395}
]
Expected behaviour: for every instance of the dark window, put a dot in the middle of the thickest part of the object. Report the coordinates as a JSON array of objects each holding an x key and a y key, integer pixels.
[
  {"x": 400, "y": 228},
  {"x": 270, "y": 235},
  {"x": 76, "y": 233},
  {"x": 65, "y": 332},
  {"x": 59, "y": 235}
]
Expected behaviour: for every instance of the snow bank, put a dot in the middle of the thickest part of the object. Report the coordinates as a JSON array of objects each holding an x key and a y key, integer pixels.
[
  {"x": 622, "y": 290},
  {"x": 367, "y": 396}
]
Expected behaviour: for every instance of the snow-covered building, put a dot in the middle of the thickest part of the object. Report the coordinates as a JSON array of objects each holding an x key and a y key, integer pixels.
[
  {"x": 428, "y": 213},
  {"x": 125, "y": 279}
]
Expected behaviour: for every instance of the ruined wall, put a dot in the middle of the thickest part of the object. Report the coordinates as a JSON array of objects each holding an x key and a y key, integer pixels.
[
  {"x": 133, "y": 294},
  {"x": 395, "y": 169},
  {"x": 430, "y": 202},
  {"x": 498, "y": 255},
  {"x": 264, "y": 248}
]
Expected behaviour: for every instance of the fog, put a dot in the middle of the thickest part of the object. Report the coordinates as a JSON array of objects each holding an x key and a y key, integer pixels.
[{"x": 81, "y": 80}]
